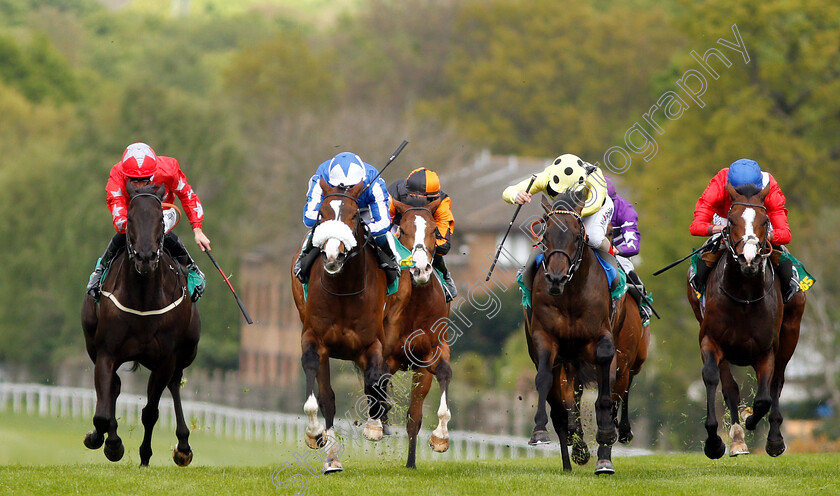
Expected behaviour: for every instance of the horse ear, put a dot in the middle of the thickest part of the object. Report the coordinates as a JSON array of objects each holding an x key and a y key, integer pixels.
[
  {"x": 130, "y": 189},
  {"x": 764, "y": 192},
  {"x": 160, "y": 191},
  {"x": 324, "y": 186},
  {"x": 399, "y": 206},
  {"x": 546, "y": 205},
  {"x": 434, "y": 205},
  {"x": 356, "y": 190},
  {"x": 731, "y": 191}
]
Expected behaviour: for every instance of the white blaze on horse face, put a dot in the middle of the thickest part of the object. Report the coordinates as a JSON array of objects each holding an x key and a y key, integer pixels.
[
  {"x": 422, "y": 270},
  {"x": 336, "y": 206},
  {"x": 750, "y": 239},
  {"x": 442, "y": 432}
]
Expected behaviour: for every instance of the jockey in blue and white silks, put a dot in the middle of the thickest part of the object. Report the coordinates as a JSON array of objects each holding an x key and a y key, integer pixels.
[{"x": 348, "y": 169}]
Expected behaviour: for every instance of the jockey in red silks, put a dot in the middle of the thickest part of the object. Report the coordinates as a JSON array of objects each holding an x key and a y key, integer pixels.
[
  {"x": 710, "y": 217},
  {"x": 140, "y": 165}
]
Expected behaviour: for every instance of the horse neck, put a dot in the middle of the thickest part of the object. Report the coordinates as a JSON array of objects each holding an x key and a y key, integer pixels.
[
  {"x": 141, "y": 288},
  {"x": 733, "y": 279}
]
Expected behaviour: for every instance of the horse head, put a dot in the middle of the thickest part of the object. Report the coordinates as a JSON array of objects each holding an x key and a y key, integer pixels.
[
  {"x": 144, "y": 229},
  {"x": 417, "y": 230},
  {"x": 563, "y": 234},
  {"x": 748, "y": 228},
  {"x": 337, "y": 233}
]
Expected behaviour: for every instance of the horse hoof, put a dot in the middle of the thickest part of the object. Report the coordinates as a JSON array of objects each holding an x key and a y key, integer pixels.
[
  {"x": 439, "y": 445},
  {"x": 606, "y": 437},
  {"x": 94, "y": 440},
  {"x": 373, "y": 430},
  {"x": 604, "y": 467},
  {"x": 181, "y": 458},
  {"x": 736, "y": 449},
  {"x": 580, "y": 453},
  {"x": 332, "y": 465},
  {"x": 625, "y": 437},
  {"x": 539, "y": 437},
  {"x": 114, "y": 451},
  {"x": 775, "y": 448},
  {"x": 714, "y": 448},
  {"x": 316, "y": 442},
  {"x": 386, "y": 430}
]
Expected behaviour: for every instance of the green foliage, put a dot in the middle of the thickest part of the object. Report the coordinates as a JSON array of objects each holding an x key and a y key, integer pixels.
[{"x": 37, "y": 70}]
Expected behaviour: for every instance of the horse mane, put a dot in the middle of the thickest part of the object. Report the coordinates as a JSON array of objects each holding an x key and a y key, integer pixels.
[
  {"x": 150, "y": 189},
  {"x": 748, "y": 190},
  {"x": 569, "y": 199}
]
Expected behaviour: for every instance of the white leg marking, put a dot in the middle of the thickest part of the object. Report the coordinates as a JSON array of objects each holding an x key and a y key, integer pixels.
[
  {"x": 315, "y": 428},
  {"x": 443, "y": 419}
]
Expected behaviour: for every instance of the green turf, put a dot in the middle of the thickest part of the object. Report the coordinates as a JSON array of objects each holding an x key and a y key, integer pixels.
[{"x": 46, "y": 456}]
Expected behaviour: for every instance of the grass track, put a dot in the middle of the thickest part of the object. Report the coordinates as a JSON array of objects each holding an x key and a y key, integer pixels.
[{"x": 46, "y": 457}]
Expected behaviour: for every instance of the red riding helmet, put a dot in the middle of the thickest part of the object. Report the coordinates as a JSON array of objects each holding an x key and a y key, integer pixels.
[{"x": 139, "y": 160}]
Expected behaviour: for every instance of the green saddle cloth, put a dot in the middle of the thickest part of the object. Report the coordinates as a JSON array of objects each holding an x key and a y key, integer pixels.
[
  {"x": 194, "y": 280},
  {"x": 616, "y": 293},
  {"x": 806, "y": 280}
]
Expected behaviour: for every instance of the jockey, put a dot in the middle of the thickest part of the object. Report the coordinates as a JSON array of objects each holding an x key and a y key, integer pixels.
[
  {"x": 713, "y": 206},
  {"x": 421, "y": 187},
  {"x": 140, "y": 165},
  {"x": 627, "y": 241},
  {"x": 569, "y": 171},
  {"x": 348, "y": 169}
]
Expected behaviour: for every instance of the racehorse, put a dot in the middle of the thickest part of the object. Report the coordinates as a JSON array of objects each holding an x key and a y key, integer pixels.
[
  {"x": 632, "y": 340},
  {"x": 571, "y": 324},
  {"x": 416, "y": 326},
  {"x": 342, "y": 316},
  {"x": 145, "y": 316},
  {"x": 745, "y": 323}
]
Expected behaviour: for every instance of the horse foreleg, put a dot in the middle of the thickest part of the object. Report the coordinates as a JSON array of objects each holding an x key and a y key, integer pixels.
[
  {"x": 625, "y": 432},
  {"x": 762, "y": 401},
  {"x": 182, "y": 454},
  {"x": 788, "y": 339},
  {"x": 440, "y": 436},
  {"x": 605, "y": 359},
  {"x": 732, "y": 398},
  {"x": 543, "y": 381},
  {"x": 419, "y": 390},
  {"x": 376, "y": 396},
  {"x": 158, "y": 380},
  {"x": 107, "y": 385},
  {"x": 714, "y": 447},
  {"x": 314, "y": 430},
  {"x": 560, "y": 409},
  {"x": 326, "y": 397}
]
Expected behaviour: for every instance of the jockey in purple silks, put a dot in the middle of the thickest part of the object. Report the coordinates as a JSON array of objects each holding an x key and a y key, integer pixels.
[{"x": 627, "y": 241}]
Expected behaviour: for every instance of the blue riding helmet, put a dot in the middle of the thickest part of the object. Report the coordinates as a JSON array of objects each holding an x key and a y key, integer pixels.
[
  {"x": 745, "y": 171},
  {"x": 346, "y": 169}
]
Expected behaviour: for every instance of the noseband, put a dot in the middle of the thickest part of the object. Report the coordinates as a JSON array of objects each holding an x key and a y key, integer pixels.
[
  {"x": 764, "y": 251},
  {"x": 129, "y": 249},
  {"x": 574, "y": 261},
  {"x": 352, "y": 252}
]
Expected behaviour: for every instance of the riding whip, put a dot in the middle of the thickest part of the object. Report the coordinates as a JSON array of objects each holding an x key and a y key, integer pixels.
[
  {"x": 499, "y": 252},
  {"x": 683, "y": 259},
  {"x": 393, "y": 156},
  {"x": 241, "y": 305}
]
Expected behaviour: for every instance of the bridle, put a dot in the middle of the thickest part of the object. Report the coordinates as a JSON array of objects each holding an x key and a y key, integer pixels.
[
  {"x": 129, "y": 245},
  {"x": 764, "y": 251},
  {"x": 353, "y": 251},
  {"x": 577, "y": 258}
]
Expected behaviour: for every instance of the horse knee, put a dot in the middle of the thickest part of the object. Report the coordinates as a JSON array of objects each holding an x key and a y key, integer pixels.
[
  {"x": 310, "y": 360},
  {"x": 605, "y": 351},
  {"x": 711, "y": 372},
  {"x": 443, "y": 372}
]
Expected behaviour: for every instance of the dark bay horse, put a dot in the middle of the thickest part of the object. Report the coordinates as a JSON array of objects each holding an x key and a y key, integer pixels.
[
  {"x": 342, "y": 316},
  {"x": 416, "y": 327},
  {"x": 145, "y": 315},
  {"x": 744, "y": 323},
  {"x": 571, "y": 325}
]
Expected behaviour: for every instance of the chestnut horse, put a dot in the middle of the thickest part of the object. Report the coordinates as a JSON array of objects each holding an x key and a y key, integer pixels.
[
  {"x": 570, "y": 325},
  {"x": 744, "y": 323},
  {"x": 145, "y": 316},
  {"x": 342, "y": 316},
  {"x": 416, "y": 326}
]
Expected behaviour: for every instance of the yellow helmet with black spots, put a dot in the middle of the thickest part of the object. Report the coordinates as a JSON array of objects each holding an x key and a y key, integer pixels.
[{"x": 571, "y": 172}]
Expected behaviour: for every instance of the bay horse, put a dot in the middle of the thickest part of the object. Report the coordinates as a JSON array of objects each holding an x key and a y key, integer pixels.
[
  {"x": 342, "y": 316},
  {"x": 416, "y": 330},
  {"x": 146, "y": 316},
  {"x": 744, "y": 323},
  {"x": 571, "y": 325}
]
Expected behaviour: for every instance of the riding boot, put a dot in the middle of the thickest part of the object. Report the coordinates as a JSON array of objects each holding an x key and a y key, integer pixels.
[
  {"x": 697, "y": 278},
  {"x": 95, "y": 281},
  {"x": 387, "y": 259},
  {"x": 790, "y": 280},
  {"x": 639, "y": 293},
  {"x": 179, "y": 252},
  {"x": 307, "y": 256},
  {"x": 449, "y": 285}
]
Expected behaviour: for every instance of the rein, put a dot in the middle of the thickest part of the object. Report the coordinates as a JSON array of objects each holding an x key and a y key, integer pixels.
[
  {"x": 574, "y": 261},
  {"x": 129, "y": 248}
]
